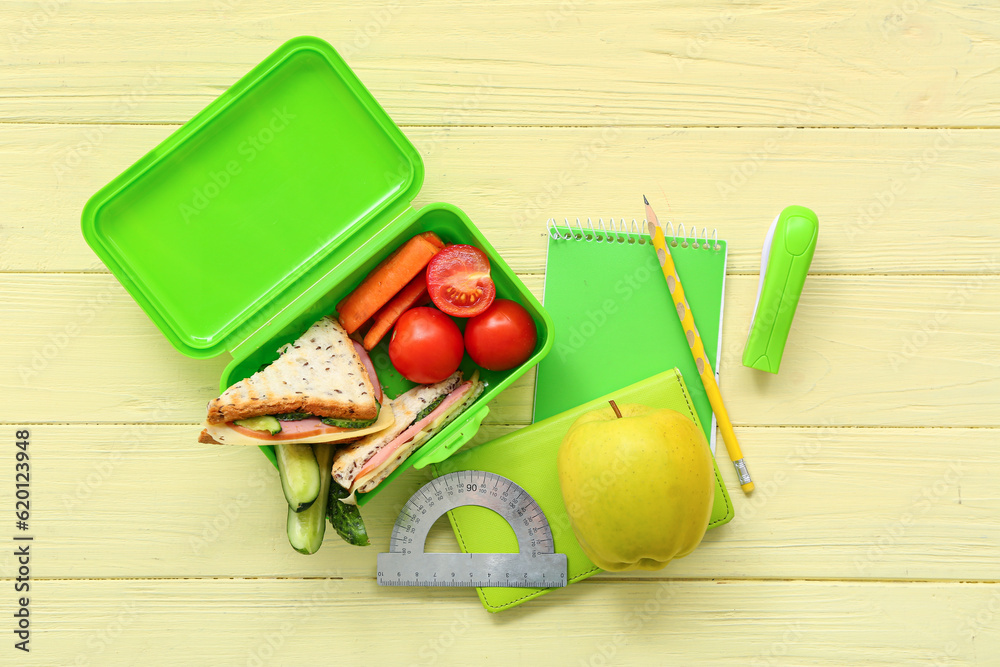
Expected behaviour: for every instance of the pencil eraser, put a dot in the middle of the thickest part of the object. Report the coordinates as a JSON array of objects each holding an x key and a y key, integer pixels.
[{"x": 784, "y": 264}]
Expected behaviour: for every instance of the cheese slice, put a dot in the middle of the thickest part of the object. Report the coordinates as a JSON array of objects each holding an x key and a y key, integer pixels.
[
  {"x": 349, "y": 461},
  {"x": 427, "y": 428},
  {"x": 225, "y": 434}
]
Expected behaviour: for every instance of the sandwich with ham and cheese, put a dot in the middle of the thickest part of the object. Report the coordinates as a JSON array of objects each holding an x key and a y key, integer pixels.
[
  {"x": 418, "y": 415},
  {"x": 321, "y": 389}
]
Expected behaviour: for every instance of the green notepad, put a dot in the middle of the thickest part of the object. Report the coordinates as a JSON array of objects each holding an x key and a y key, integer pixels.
[
  {"x": 528, "y": 457},
  {"x": 614, "y": 320}
]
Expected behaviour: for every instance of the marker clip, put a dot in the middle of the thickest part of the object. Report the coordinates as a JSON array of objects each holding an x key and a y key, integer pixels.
[{"x": 784, "y": 264}]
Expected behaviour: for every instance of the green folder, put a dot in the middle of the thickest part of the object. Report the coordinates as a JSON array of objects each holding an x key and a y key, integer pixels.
[
  {"x": 615, "y": 323},
  {"x": 528, "y": 457}
]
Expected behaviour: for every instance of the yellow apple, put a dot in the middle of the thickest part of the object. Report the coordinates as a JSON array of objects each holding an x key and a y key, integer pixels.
[{"x": 638, "y": 488}]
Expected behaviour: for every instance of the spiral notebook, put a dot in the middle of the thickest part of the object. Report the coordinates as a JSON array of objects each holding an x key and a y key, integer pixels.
[{"x": 614, "y": 320}]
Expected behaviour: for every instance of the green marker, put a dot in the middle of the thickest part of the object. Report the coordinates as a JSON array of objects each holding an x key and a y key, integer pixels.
[{"x": 784, "y": 263}]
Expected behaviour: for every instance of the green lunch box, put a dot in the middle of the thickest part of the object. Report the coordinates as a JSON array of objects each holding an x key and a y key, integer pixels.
[{"x": 254, "y": 219}]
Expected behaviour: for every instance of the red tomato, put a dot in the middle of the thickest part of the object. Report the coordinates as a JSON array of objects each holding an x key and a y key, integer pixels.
[
  {"x": 426, "y": 345},
  {"x": 502, "y": 337},
  {"x": 458, "y": 281}
]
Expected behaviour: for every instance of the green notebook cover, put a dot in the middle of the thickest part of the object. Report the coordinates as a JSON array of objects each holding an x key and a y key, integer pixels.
[
  {"x": 614, "y": 321},
  {"x": 528, "y": 457}
]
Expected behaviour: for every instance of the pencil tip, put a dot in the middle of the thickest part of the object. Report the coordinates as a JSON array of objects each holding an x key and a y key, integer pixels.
[{"x": 645, "y": 200}]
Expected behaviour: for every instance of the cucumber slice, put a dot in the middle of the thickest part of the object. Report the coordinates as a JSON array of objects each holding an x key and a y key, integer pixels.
[
  {"x": 347, "y": 423},
  {"x": 305, "y": 529},
  {"x": 430, "y": 407},
  {"x": 353, "y": 423},
  {"x": 292, "y": 416},
  {"x": 300, "y": 475},
  {"x": 266, "y": 423}
]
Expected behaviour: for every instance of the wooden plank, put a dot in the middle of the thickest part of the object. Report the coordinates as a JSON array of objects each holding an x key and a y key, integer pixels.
[
  {"x": 871, "y": 537},
  {"x": 266, "y": 621},
  {"x": 858, "y": 503},
  {"x": 863, "y": 351},
  {"x": 889, "y": 201},
  {"x": 564, "y": 63}
]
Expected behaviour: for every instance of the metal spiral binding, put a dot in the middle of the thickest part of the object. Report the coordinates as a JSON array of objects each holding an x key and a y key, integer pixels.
[
  {"x": 615, "y": 231},
  {"x": 624, "y": 231}
]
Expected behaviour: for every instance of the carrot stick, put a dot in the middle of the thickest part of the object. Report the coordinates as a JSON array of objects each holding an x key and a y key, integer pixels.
[
  {"x": 384, "y": 282},
  {"x": 433, "y": 238},
  {"x": 378, "y": 266},
  {"x": 429, "y": 236},
  {"x": 414, "y": 294}
]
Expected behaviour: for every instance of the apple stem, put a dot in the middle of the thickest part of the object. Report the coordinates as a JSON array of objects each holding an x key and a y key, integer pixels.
[{"x": 615, "y": 408}]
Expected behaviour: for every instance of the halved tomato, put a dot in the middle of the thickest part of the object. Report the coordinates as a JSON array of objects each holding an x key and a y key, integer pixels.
[{"x": 458, "y": 281}]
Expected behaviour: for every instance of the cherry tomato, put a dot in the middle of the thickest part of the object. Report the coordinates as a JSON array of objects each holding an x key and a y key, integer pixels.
[
  {"x": 426, "y": 345},
  {"x": 502, "y": 337},
  {"x": 458, "y": 281}
]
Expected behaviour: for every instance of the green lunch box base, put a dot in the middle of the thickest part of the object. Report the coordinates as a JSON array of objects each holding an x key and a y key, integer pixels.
[
  {"x": 254, "y": 218},
  {"x": 453, "y": 226}
]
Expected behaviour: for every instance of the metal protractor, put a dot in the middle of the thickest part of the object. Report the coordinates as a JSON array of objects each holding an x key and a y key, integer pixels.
[{"x": 536, "y": 565}]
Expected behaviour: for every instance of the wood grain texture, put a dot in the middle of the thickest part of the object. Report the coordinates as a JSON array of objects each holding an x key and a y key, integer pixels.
[
  {"x": 872, "y": 535},
  {"x": 863, "y": 351},
  {"x": 877, "y": 192},
  {"x": 556, "y": 62},
  {"x": 840, "y": 502},
  {"x": 286, "y": 622}
]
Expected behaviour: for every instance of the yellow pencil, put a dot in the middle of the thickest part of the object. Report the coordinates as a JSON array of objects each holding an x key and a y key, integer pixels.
[{"x": 697, "y": 347}]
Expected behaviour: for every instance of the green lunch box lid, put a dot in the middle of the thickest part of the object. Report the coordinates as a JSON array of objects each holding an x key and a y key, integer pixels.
[{"x": 217, "y": 230}]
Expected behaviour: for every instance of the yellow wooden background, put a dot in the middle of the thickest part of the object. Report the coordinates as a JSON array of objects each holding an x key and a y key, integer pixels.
[{"x": 874, "y": 533}]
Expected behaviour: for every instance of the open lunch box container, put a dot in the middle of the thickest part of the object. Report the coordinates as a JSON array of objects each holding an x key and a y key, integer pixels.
[{"x": 254, "y": 219}]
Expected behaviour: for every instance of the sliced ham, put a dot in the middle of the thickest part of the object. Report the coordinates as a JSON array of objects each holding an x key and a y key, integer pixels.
[
  {"x": 387, "y": 451},
  {"x": 311, "y": 430},
  {"x": 305, "y": 431},
  {"x": 370, "y": 367},
  {"x": 405, "y": 408},
  {"x": 293, "y": 430}
]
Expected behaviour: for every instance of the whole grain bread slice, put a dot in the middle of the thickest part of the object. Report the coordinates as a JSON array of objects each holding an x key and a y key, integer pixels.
[
  {"x": 320, "y": 373},
  {"x": 349, "y": 461}
]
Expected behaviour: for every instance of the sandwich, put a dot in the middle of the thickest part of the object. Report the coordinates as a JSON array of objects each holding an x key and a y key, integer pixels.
[
  {"x": 322, "y": 388},
  {"x": 418, "y": 415}
]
